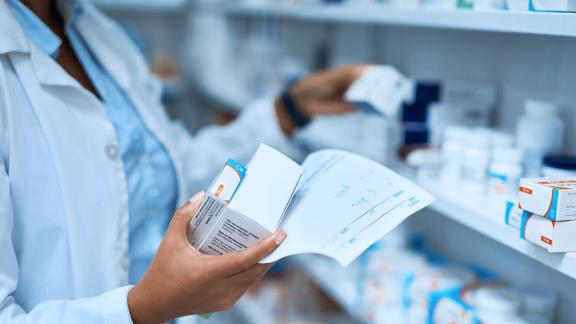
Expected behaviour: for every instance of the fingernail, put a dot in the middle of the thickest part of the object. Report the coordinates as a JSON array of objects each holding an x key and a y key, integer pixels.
[
  {"x": 197, "y": 197},
  {"x": 280, "y": 237}
]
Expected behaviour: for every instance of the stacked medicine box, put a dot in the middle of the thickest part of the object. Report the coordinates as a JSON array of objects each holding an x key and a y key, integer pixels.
[{"x": 545, "y": 213}]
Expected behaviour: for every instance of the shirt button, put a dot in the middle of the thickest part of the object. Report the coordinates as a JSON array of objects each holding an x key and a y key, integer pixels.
[
  {"x": 142, "y": 159},
  {"x": 112, "y": 151}
]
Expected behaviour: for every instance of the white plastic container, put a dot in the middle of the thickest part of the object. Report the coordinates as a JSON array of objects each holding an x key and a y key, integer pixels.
[
  {"x": 453, "y": 150},
  {"x": 504, "y": 173},
  {"x": 442, "y": 115},
  {"x": 476, "y": 159},
  {"x": 427, "y": 162},
  {"x": 540, "y": 131},
  {"x": 502, "y": 139}
]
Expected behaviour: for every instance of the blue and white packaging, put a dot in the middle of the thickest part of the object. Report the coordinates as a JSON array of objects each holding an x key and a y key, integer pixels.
[
  {"x": 554, "y": 199},
  {"x": 261, "y": 197},
  {"x": 228, "y": 181},
  {"x": 493, "y": 302},
  {"x": 551, "y": 235},
  {"x": 513, "y": 214}
]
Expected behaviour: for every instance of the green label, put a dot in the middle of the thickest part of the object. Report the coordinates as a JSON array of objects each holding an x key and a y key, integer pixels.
[{"x": 466, "y": 4}]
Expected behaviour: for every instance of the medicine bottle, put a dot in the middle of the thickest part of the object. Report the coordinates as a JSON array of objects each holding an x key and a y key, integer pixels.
[
  {"x": 540, "y": 131},
  {"x": 452, "y": 151},
  {"x": 505, "y": 172},
  {"x": 475, "y": 161}
]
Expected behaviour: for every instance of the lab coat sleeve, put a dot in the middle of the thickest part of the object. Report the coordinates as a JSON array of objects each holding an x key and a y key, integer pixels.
[
  {"x": 205, "y": 154},
  {"x": 109, "y": 307}
]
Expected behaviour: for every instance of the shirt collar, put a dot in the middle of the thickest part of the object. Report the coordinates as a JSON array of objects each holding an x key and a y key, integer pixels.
[
  {"x": 71, "y": 10},
  {"x": 40, "y": 34}
]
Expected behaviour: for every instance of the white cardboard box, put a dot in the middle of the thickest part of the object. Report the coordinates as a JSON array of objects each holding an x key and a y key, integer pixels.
[
  {"x": 337, "y": 204},
  {"x": 255, "y": 212},
  {"x": 554, "y": 199},
  {"x": 553, "y": 5},
  {"x": 551, "y": 235},
  {"x": 380, "y": 88}
]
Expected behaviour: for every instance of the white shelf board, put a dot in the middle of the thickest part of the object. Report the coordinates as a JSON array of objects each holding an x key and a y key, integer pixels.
[
  {"x": 544, "y": 23},
  {"x": 153, "y": 6},
  {"x": 487, "y": 217}
]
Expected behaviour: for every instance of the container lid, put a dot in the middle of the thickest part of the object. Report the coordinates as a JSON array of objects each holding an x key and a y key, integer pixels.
[
  {"x": 501, "y": 139},
  {"x": 565, "y": 162},
  {"x": 425, "y": 157},
  {"x": 507, "y": 155}
]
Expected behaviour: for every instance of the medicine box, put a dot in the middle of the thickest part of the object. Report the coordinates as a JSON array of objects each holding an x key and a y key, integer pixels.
[
  {"x": 260, "y": 197},
  {"x": 381, "y": 89},
  {"x": 513, "y": 214},
  {"x": 551, "y": 235},
  {"x": 553, "y": 5},
  {"x": 553, "y": 199}
]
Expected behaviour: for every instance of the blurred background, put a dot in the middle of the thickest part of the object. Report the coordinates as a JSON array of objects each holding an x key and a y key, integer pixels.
[{"x": 493, "y": 101}]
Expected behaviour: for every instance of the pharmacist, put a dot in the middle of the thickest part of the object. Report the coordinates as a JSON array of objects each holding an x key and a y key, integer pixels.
[{"x": 92, "y": 169}]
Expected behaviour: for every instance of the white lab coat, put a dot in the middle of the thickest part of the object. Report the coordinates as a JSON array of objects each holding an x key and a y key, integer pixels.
[{"x": 63, "y": 194}]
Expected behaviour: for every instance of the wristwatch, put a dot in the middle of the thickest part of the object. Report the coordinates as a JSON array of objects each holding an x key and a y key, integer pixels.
[{"x": 293, "y": 109}]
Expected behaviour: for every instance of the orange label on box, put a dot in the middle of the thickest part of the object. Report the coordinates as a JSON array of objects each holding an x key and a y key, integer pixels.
[
  {"x": 219, "y": 190},
  {"x": 546, "y": 240},
  {"x": 557, "y": 182},
  {"x": 526, "y": 190}
]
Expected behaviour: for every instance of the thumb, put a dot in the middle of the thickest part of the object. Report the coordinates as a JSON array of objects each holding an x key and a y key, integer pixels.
[
  {"x": 184, "y": 214},
  {"x": 237, "y": 262}
]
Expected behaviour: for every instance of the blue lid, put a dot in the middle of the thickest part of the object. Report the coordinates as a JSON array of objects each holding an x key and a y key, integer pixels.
[{"x": 565, "y": 162}]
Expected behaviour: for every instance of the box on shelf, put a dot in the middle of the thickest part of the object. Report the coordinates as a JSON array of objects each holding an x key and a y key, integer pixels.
[
  {"x": 513, "y": 214},
  {"x": 553, "y": 199},
  {"x": 553, "y": 5},
  {"x": 493, "y": 302},
  {"x": 381, "y": 89},
  {"x": 551, "y": 235},
  {"x": 518, "y": 5}
]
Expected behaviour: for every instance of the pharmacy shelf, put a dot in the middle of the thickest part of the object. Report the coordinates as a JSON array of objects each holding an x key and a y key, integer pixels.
[
  {"x": 147, "y": 6},
  {"x": 543, "y": 23},
  {"x": 251, "y": 310},
  {"x": 487, "y": 218},
  {"x": 323, "y": 272},
  {"x": 474, "y": 213}
]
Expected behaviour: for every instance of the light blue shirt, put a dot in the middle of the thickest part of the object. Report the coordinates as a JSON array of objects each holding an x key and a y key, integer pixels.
[{"x": 151, "y": 178}]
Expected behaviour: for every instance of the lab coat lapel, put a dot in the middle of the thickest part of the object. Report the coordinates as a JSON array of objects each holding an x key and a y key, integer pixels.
[
  {"x": 127, "y": 66},
  {"x": 48, "y": 71},
  {"x": 15, "y": 40},
  {"x": 77, "y": 131}
]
